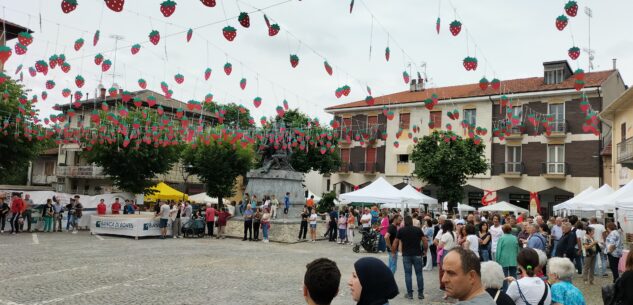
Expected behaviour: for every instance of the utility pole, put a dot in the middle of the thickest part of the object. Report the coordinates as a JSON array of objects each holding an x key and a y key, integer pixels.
[
  {"x": 116, "y": 44},
  {"x": 588, "y": 50}
]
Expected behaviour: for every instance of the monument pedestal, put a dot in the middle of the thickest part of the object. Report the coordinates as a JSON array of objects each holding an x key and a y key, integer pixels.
[
  {"x": 278, "y": 183},
  {"x": 281, "y": 230}
]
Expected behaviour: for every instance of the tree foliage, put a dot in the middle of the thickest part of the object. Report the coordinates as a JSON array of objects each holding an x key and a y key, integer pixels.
[
  {"x": 446, "y": 161},
  {"x": 132, "y": 167},
  {"x": 218, "y": 165},
  {"x": 17, "y": 148},
  {"x": 233, "y": 114}
]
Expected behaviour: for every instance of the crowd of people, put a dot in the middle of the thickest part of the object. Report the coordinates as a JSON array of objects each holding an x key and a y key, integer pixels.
[{"x": 19, "y": 210}]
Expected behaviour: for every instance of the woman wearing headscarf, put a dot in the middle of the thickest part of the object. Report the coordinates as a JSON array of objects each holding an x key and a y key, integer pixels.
[{"x": 372, "y": 282}]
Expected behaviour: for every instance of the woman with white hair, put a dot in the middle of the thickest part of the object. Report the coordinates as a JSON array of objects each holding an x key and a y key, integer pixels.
[
  {"x": 492, "y": 279},
  {"x": 560, "y": 271},
  {"x": 542, "y": 264}
]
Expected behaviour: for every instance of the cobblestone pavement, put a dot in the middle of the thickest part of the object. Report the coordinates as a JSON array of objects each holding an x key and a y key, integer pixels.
[{"x": 63, "y": 268}]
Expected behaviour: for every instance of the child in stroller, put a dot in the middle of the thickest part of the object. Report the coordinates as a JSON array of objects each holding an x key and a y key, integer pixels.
[
  {"x": 194, "y": 227},
  {"x": 369, "y": 241}
]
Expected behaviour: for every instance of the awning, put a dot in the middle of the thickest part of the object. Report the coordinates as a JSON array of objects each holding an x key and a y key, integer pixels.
[{"x": 165, "y": 192}]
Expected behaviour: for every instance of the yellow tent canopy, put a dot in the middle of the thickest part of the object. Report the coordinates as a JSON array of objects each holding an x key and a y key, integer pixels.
[{"x": 165, "y": 192}]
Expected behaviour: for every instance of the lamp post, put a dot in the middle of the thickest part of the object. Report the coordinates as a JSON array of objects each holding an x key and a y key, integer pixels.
[{"x": 185, "y": 171}]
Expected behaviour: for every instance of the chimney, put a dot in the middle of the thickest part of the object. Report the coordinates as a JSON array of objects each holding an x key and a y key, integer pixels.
[
  {"x": 102, "y": 93},
  {"x": 412, "y": 87},
  {"x": 614, "y": 63}
]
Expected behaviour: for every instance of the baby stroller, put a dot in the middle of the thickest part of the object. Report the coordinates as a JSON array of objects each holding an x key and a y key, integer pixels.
[
  {"x": 193, "y": 227},
  {"x": 369, "y": 241}
]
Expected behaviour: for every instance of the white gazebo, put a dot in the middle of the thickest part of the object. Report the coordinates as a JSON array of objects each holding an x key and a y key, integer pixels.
[
  {"x": 503, "y": 206},
  {"x": 585, "y": 203},
  {"x": 204, "y": 198},
  {"x": 420, "y": 199},
  {"x": 566, "y": 204},
  {"x": 379, "y": 191},
  {"x": 608, "y": 203}
]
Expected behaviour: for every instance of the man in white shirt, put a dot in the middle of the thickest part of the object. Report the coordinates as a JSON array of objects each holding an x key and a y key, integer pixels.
[
  {"x": 365, "y": 220},
  {"x": 496, "y": 232},
  {"x": 598, "y": 231},
  {"x": 557, "y": 233}
]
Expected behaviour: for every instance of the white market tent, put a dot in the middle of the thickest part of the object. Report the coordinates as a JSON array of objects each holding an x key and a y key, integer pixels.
[
  {"x": 204, "y": 198},
  {"x": 379, "y": 191},
  {"x": 409, "y": 191},
  {"x": 464, "y": 208},
  {"x": 608, "y": 203},
  {"x": 566, "y": 204},
  {"x": 583, "y": 204},
  {"x": 503, "y": 206}
]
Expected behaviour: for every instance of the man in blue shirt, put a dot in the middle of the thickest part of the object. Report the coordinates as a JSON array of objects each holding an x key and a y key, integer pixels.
[
  {"x": 535, "y": 240},
  {"x": 248, "y": 223},
  {"x": 286, "y": 203}
]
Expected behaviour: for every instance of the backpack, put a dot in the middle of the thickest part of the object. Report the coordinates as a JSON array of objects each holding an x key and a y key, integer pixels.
[{"x": 543, "y": 298}]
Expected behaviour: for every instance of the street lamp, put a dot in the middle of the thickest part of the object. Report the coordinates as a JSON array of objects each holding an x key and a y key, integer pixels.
[{"x": 185, "y": 170}]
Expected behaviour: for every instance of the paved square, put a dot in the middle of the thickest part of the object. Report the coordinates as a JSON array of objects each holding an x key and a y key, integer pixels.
[{"x": 62, "y": 268}]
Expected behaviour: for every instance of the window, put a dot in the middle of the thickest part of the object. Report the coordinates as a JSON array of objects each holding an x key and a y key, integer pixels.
[
  {"x": 328, "y": 185},
  {"x": 517, "y": 112},
  {"x": 347, "y": 122},
  {"x": 80, "y": 120},
  {"x": 555, "y": 159},
  {"x": 345, "y": 155},
  {"x": 403, "y": 158},
  {"x": 558, "y": 112},
  {"x": 372, "y": 121},
  {"x": 435, "y": 117},
  {"x": 513, "y": 160},
  {"x": 554, "y": 75},
  {"x": 470, "y": 116},
  {"x": 623, "y": 132},
  {"x": 370, "y": 159},
  {"x": 49, "y": 168},
  {"x": 405, "y": 119}
]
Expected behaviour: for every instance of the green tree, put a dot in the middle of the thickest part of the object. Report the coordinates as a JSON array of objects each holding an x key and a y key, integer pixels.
[
  {"x": 133, "y": 166},
  {"x": 326, "y": 203},
  {"x": 294, "y": 118},
  {"x": 445, "y": 160},
  {"x": 218, "y": 165},
  {"x": 233, "y": 114},
  {"x": 16, "y": 147}
]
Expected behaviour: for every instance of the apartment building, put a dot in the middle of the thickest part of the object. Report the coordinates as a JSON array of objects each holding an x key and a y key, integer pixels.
[
  {"x": 619, "y": 115},
  {"x": 556, "y": 161}
]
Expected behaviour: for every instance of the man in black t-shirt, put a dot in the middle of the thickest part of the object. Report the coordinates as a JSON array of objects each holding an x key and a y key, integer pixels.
[
  {"x": 390, "y": 237},
  {"x": 412, "y": 253}
]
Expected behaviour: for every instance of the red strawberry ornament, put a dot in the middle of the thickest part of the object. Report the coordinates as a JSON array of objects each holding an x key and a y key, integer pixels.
[
  {"x": 79, "y": 81},
  {"x": 105, "y": 66},
  {"x": 41, "y": 66},
  {"x": 207, "y": 73},
  {"x": 455, "y": 27},
  {"x": 5, "y": 53},
  {"x": 78, "y": 44},
  {"x": 483, "y": 83},
  {"x": 495, "y": 84},
  {"x": 66, "y": 92},
  {"x": 387, "y": 53},
  {"x": 574, "y": 53},
  {"x": 95, "y": 38},
  {"x": 98, "y": 59},
  {"x": 179, "y": 78},
  {"x": 32, "y": 71},
  {"x": 68, "y": 6},
  {"x": 328, "y": 68},
  {"x": 229, "y": 32},
  {"x": 273, "y": 30},
  {"x": 257, "y": 102},
  {"x": 52, "y": 61},
  {"x": 244, "y": 19},
  {"x": 470, "y": 63},
  {"x": 154, "y": 37},
  {"x": 561, "y": 22},
  {"x": 115, "y": 5},
  {"x": 405, "y": 77},
  {"x": 189, "y": 34},
  {"x": 294, "y": 60},
  {"x": 50, "y": 84},
  {"x": 25, "y": 38},
  {"x": 168, "y": 8},
  {"x": 209, "y": 3},
  {"x": 135, "y": 48},
  {"x": 243, "y": 83},
  {"x": 571, "y": 8},
  {"x": 228, "y": 67},
  {"x": 20, "y": 49},
  {"x": 142, "y": 83}
]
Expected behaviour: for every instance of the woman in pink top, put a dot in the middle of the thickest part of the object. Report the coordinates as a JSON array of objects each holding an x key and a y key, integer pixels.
[
  {"x": 384, "y": 225},
  {"x": 209, "y": 216}
]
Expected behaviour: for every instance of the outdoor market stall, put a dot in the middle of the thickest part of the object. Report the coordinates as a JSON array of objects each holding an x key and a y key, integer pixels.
[
  {"x": 607, "y": 203},
  {"x": 565, "y": 205},
  {"x": 409, "y": 191},
  {"x": 133, "y": 225},
  {"x": 503, "y": 206},
  {"x": 586, "y": 203},
  {"x": 204, "y": 198},
  {"x": 379, "y": 191},
  {"x": 165, "y": 192}
]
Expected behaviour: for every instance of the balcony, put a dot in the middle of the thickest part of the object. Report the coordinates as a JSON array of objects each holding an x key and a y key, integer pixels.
[
  {"x": 554, "y": 170},
  {"x": 625, "y": 153},
  {"x": 369, "y": 168},
  {"x": 345, "y": 168},
  {"x": 509, "y": 169},
  {"x": 558, "y": 129},
  {"x": 87, "y": 171}
]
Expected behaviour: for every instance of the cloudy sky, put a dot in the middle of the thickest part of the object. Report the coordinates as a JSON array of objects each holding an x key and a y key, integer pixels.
[{"x": 511, "y": 39}]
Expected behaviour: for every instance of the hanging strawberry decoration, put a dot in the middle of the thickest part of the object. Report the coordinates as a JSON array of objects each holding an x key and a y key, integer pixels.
[
  {"x": 244, "y": 19},
  {"x": 95, "y": 38},
  {"x": 229, "y": 32},
  {"x": 483, "y": 83},
  {"x": 286, "y": 105},
  {"x": 396, "y": 144},
  {"x": 154, "y": 37},
  {"x": 113, "y": 92},
  {"x": 208, "y": 98},
  {"x": 98, "y": 59},
  {"x": 571, "y": 8},
  {"x": 387, "y": 53},
  {"x": 25, "y": 38},
  {"x": 338, "y": 92},
  {"x": 78, "y": 44},
  {"x": 209, "y": 3},
  {"x": 52, "y": 61},
  {"x": 273, "y": 30},
  {"x": 142, "y": 83},
  {"x": 438, "y": 24},
  {"x": 189, "y": 34},
  {"x": 78, "y": 96},
  {"x": 5, "y": 53},
  {"x": 18, "y": 69},
  {"x": 574, "y": 53},
  {"x": 179, "y": 78},
  {"x": 561, "y": 22},
  {"x": 168, "y": 8},
  {"x": 68, "y": 6},
  {"x": 370, "y": 100},
  {"x": 257, "y": 102},
  {"x": 79, "y": 81},
  {"x": 328, "y": 68},
  {"x": 228, "y": 67},
  {"x": 455, "y": 27},
  {"x": 207, "y": 73},
  {"x": 115, "y": 5},
  {"x": 470, "y": 63},
  {"x": 135, "y": 48},
  {"x": 405, "y": 77},
  {"x": 32, "y": 71},
  {"x": 66, "y": 92},
  {"x": 151, "y": 101},
  {"x": 41, "y": 66},
  {"x": 346, "y": 90},
  {"x": 243, "y": 83},
  {"x": 105, "y": 66},
  {"x": 50, "y": 84},
  {"x": 294, "y": 60},
  {"x": 495, "y": 84},
  {"x": 20, "y": 49}
]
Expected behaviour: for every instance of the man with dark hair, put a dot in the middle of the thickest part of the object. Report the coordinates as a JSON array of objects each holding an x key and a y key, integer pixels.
[
  {"x": 321, "y": 281},
  {"x": 390, "y": 237},
  {"x": 462, "y": 278},
  {"x": 410, "y": 237}
]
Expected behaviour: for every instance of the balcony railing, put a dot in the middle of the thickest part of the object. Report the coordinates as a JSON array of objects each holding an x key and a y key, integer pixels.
[
  {"x": 509, "y": 168},
  {"x": 625, "y": 151},
  {"x": 555, "y": 168},
  {"x": 559, "y": 126},
  {"x": 87, "y": 171}
]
